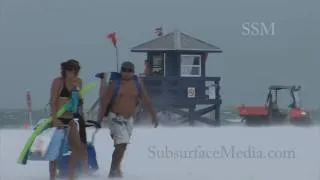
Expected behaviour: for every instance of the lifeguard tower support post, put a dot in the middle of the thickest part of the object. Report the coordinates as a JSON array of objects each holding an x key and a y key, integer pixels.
[{"x": 178, "y": 83}]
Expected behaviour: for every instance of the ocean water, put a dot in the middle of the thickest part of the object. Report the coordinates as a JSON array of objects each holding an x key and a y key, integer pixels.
[{"x": 206, "y": 153}]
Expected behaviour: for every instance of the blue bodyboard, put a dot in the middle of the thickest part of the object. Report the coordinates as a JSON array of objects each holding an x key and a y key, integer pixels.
[{"x": 54, "y": 148}]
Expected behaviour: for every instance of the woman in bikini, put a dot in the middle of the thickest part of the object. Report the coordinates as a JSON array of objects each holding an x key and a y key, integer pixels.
[{"x": 61, "y": 94}]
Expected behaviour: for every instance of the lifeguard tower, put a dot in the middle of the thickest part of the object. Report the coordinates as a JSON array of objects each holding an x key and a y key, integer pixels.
[{"x": 178, "y": 83}]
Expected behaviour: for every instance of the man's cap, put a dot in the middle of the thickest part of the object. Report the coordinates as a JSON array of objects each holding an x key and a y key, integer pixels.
[
  {"x": 127, "y": 65},
  {"x": 73, "y": 61}
]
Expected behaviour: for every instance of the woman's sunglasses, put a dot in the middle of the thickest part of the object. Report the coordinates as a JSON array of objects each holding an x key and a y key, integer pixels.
[
  {"x": 129, "y": 70},
  {"x": 70, "y": 69}
]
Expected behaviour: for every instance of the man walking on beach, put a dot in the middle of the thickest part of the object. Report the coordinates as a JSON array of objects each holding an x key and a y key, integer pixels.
[{"x": 119, "y": 102}]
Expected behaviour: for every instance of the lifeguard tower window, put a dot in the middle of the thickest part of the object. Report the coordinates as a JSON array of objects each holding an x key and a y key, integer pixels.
[
  {"x": 158, "y": 65},
  {"x": 190, "y": 66}
]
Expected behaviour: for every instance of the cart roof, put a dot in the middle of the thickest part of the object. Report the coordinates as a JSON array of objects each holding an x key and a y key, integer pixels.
[{"x": 280, "y": 87}]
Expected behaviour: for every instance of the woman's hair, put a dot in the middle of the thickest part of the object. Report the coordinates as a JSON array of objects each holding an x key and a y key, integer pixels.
[{"x": 70, "y": 65}]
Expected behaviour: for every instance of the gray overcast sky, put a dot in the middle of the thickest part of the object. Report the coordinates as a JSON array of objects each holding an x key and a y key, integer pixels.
[{"x": 36, "y": 35}]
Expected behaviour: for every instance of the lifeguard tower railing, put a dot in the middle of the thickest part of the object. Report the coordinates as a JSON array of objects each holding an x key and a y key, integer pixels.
[{"x": 182, "y": 91}]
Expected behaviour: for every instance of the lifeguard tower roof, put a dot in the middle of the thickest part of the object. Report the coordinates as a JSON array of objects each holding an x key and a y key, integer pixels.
[{"x": 176, "y": 41}]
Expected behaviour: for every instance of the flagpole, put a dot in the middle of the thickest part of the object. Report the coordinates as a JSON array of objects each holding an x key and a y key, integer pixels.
[
  {"x": 28, "y": 96},
  {"x": 117, "y": 58},
  {"x": 30, "y": 119}
]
